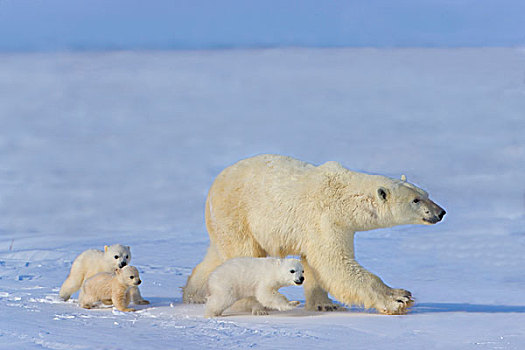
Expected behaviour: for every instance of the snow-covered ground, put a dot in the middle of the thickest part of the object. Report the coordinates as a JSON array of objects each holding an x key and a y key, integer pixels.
[{"x": 121, "y": 147}]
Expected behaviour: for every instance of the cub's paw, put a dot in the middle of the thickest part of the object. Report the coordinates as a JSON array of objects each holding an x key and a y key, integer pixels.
[
  {"x": 288, "y": 306},
  {"x": 141, "y": 302}
]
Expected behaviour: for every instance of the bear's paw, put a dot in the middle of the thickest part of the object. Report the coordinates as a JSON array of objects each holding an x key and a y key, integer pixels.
[{"x": 396, "y": 302}]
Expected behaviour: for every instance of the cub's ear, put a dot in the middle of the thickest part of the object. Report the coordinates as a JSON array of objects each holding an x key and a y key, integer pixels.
[
  {"x": 106, "y": 248},
  {"x": 129, "y": 248},
  {"x": 382, "y": 193}
]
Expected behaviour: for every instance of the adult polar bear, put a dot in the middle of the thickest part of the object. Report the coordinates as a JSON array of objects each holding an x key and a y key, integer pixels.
[{"x": 278, "y": 206}]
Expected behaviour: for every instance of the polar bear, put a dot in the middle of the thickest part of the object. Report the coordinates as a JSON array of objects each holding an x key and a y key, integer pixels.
[
  {"x": 256, "y": 280},
  {"x": 110, "y": 288},
  {"x": 278, "y": 206},
  {"x": 93, "y": 261}
]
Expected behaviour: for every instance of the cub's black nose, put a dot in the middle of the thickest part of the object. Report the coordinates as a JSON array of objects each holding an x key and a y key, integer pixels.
[
  {"x": 301, "y": 279},
  {"x": 139, "y": 282},
  {"x": 442, "y": 214},
  {"x": 122, "y": 264}
]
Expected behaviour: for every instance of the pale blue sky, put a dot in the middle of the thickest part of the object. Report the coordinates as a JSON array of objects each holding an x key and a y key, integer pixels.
[{"x": 47, "y": 25}]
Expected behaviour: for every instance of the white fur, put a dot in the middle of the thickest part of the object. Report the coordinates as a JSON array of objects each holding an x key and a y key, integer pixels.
[
  {"x": 253, "y": 281},
  {"x": 278, "y": 206},
  {"x": 110, "y": 288},
  {"x": 93, "y": 261}
]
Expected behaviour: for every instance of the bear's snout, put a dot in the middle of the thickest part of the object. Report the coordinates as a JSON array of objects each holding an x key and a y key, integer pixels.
[
  {"x": 300, "y": 281},
  {"x": 139, "y": 282},
  {"x": 122, "y": 264},
  {"x": 438, "y": 218},
  {"x": 436, "y": 213}
]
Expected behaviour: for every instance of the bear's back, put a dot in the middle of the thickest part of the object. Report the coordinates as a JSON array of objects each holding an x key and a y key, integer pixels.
[
  {"x": 245, "y": 271},
  {"x": 92, "y": 262}
]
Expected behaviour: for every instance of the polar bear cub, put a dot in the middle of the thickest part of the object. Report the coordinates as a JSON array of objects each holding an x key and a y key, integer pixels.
[
  {"x": 256, "y": 281},
  {"x": 110, "y": 288},
  {"x": 93, "y": 261}
]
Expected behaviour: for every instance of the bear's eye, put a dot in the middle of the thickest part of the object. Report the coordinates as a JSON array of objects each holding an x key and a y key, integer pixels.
[
  {"x": 415, "y": 201},
  {"x": 126, "y": 257},
  {"x": 131, "y": 277},
  {"x": 116, "y": 256},
  {"x": 292, "y": 271}
]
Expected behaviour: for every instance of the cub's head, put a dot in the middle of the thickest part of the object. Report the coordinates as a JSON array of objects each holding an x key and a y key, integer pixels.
[
  {"x": 407, "y": 204},
  {"x": 117, "y": 255},
  {"x": 128, "y": 275},
  {"x": 292, "y": 271}
]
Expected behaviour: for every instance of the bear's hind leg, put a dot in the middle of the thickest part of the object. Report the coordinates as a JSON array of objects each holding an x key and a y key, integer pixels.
[
  {"x": 217, "y": 303},
  {"x": 71, "y": 285},
  {"x": 86, "y": 301},
  {"x": 249, "y": 304},
  {"x": 195, "y": 289}
]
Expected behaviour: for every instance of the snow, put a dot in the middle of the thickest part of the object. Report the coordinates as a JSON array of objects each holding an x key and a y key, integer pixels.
[{"x": 121, "y": 147}]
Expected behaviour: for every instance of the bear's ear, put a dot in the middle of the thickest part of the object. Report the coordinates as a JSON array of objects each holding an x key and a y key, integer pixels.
[
  {"x": 332, "y": 167},
  {"x": 382, "y": 193},
  {"x": 106, "y": 248},
  {"x": 128, "y": 247}
]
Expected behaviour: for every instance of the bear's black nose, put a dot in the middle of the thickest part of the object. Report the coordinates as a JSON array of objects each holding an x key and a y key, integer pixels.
[
  {"x": 442, "y": 214},
  {"x": 301, "y": 279},
  {"x": 122, "y": 264},
  {"x": 139, "y": 282}
]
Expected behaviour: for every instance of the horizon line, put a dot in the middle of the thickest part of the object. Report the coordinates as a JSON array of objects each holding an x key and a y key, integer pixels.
[{"x": 153, "y": 48}]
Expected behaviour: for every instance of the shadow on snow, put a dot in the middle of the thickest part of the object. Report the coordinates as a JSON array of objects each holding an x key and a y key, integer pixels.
[{"x": 465, "y": 307}]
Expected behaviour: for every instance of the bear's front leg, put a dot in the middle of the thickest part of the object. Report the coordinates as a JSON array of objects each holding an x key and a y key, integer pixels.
[
  {"x": 342, "y": 276},
  {"x": 316, "y": 297},
  {"x": 386, "y": 300},
  {"x": 272, "y": 299},
  {"x": 120, "y": 300},
  {"x": 136, "y": 298},
  {"x": 360, "y": 286}
]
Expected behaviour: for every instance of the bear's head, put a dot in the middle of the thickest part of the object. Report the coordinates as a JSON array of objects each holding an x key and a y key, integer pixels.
[
  {"x": 292, "y": 271},
  {"x": 117, "y": 255},
  {"x": 403, "y": 203},
  {"x": 362, "y": 202},
  {"x": 128, "y": 275}
]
